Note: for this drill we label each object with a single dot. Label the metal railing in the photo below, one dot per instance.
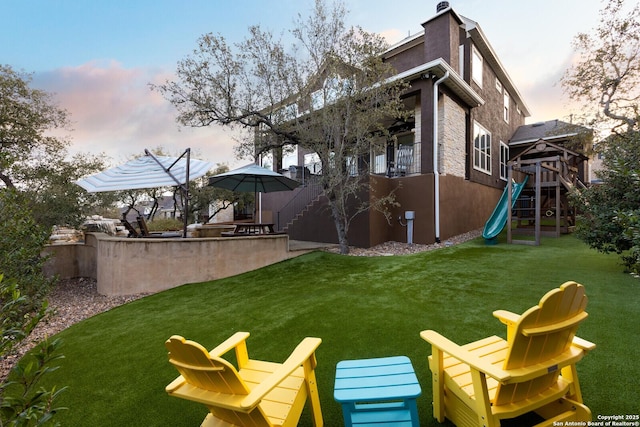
(407, 161)
(310, 192)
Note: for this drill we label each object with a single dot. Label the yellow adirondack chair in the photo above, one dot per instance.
(256, 394)
(481, 383)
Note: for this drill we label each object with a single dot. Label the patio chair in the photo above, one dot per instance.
(258, 393)
(533, 370)
(130, 228)
(142, 224)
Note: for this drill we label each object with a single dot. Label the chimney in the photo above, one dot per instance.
(442, 6)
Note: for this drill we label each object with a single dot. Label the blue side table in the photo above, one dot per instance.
(375, 392)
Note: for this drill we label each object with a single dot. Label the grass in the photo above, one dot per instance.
(116, 365)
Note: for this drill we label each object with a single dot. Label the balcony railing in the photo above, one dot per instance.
(407, 162)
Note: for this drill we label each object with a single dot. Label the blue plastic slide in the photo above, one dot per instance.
(498, 218)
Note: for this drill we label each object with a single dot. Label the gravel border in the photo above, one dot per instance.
(399, 248)
(73, 300)
(70, 301)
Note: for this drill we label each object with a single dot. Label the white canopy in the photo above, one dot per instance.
(146, 172)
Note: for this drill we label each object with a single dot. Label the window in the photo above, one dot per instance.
(379, 163)
(498, 85)
(332, 89)
(317, 100)
(476, 66)
(352, 165)
(289, 156)
(506, 107)
(481, 149)
(290, 111)
(504, 160)
(312, 162)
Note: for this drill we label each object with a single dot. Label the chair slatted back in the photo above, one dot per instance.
(215, 374)
(142, 225)
(542, 333)
(203, 371)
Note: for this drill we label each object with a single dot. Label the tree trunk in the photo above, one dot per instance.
(341, 228)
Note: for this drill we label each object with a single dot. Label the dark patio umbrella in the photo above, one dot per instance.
(253, 178)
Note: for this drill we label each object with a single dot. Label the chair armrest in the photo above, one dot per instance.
(449, 347)
(510, 320)
(303, 352)
(506, 317)
(229, 344)
(583, 344)
(173, 385)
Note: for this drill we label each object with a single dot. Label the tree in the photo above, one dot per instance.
(606, 77)
(204, 197)
(54, 197)
(35, 162)
(23, 290)
(329, 93)
(610, 219)
(26, 115)
(607, 80)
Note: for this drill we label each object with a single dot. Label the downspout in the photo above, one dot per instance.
(436, 174)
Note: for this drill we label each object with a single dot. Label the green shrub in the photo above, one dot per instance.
(23, 292)
(21, 243)
(165, 224)
(610, 220)
(23, 402)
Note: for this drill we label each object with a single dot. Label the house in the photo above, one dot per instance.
(162, 207)
(448, 163)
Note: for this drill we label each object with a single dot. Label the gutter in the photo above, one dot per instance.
(440, 67)
(436, 174)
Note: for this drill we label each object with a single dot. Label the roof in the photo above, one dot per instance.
(482, 44)
(439, 68)
(550, 130)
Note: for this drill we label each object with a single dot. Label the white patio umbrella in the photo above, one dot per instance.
(253, 178)
(146, 172)
(149, 171)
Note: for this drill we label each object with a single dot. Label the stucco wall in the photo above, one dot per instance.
(125, 266)
(464, 205)
(72, 259)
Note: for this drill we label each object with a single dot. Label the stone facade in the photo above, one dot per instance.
(451, 138)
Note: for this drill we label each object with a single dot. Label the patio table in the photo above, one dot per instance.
(378, 391)
(250, 228)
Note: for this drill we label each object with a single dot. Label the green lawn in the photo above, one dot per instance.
(116, 365)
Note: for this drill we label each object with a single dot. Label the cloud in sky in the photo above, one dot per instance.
(113, 110)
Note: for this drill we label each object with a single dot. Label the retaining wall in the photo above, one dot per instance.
(126, 266)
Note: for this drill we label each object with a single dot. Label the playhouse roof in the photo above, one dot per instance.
(551, 130)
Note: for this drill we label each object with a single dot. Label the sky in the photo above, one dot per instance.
(98, 57)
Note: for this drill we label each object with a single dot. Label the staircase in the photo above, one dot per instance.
(311, 192)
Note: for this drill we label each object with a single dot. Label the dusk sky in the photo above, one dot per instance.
(98, 57)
